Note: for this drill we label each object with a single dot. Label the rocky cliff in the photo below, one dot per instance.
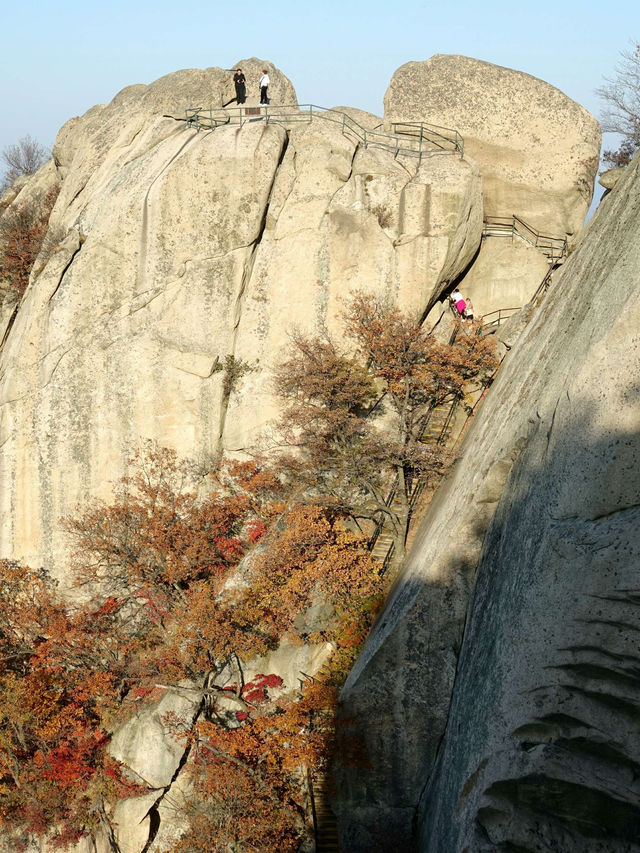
(498, 697)
(180, 248)
(537, 150)
(183, 248)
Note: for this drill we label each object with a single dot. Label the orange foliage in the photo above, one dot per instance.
(22, 232)
(53, 763)
(161, 614)
(355, 415)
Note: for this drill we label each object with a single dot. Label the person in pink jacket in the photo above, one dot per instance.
(457, 300)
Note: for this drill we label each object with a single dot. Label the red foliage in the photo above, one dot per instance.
(156, 562)
(22, 232)
(256, 529)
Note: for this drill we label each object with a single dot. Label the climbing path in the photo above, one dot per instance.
(436, 432)
(554, 247)
(412, 138)
(325, 821)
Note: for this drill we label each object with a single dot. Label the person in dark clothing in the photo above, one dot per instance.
(240, 83)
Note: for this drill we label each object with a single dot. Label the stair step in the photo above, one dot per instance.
(437, 431)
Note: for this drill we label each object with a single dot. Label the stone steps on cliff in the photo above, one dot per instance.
(325, 818)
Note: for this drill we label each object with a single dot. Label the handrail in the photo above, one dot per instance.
(416, 490)
(421, 138)
(544, 284)
(441, 140)
(554, 247)
(502, 314)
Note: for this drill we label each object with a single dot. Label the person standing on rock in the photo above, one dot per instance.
(240, 82)
(264, 85)
(457, 300)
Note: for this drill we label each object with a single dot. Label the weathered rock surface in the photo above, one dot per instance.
(180, 249)
(183, 248)
(505, 275)
(610, 178)
(536, 149)
(342, 218)
(533, 542)
(31, 189)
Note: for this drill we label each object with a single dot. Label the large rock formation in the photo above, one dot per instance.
(537, 150)
(520, 731)
(183, 248)
(505, 275)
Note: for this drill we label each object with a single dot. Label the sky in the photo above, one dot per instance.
(60, 58)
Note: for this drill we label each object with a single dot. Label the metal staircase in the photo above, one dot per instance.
(412, 138)
(437, 430)
(555, 248)
(324, 818)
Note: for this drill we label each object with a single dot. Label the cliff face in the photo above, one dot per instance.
(499, 693)
(537, 150)
(183, 248)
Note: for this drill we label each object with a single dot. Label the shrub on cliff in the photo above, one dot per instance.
(22, 158)
(621, 115)
(355, 414)
(159, 615)
(23, 232)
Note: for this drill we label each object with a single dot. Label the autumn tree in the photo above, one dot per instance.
(355, 414)
(55, 773)
(23, 233)
(249, 781)
(157, 613)
(621, 114)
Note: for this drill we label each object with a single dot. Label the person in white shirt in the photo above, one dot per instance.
(264, 85)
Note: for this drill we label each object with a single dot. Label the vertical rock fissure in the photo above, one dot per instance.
(10, 323)
(142, 260)
(153, 812)
(66, 270)
(246, 277)
(424, 791)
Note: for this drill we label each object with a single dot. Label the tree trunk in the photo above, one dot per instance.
(400, 521)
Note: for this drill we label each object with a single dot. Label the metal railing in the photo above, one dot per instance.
(418, 485)
(555, 248)
(545, 284)
(444, 138)
(408, 138)
(497, 317)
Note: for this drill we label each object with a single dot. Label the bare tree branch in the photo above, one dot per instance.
(621, 113)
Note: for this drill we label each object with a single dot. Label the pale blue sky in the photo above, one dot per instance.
(59, 58)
